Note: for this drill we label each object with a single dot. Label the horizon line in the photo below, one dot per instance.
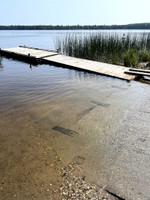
(73, 24)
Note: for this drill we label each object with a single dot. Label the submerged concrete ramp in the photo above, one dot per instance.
(30, 54)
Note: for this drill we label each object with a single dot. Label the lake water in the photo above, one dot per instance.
(39, 98)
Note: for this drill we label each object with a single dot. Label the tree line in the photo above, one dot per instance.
(74, 27)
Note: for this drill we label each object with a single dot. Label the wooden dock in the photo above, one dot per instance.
(32, 55)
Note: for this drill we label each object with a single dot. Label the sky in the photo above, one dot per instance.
(74, 12)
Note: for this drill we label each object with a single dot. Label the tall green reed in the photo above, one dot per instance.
(109, 48)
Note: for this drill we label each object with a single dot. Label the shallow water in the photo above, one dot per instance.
(50, 96)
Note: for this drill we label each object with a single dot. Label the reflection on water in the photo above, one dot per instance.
(1, 66)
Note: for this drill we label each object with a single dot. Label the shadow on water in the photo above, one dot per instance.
(1, 64)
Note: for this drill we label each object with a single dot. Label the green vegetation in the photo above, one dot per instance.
(75, 27)
(144, 56)
(110, 48)
(131, 58)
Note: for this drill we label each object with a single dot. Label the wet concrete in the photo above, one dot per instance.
(116, 153)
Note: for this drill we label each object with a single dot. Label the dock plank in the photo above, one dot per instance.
(140, 70)
(92, 66)
(137, 73)
(52, 57)
(33, 52)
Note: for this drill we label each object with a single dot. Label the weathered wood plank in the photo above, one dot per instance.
(29, 51)
(137, 73)
(140, 70)
(55, 58)
(37, 48)
(92, 66)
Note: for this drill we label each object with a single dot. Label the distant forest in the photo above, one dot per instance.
(74, 27)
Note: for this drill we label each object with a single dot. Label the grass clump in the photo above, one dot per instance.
(144, 56)
(131, 59)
